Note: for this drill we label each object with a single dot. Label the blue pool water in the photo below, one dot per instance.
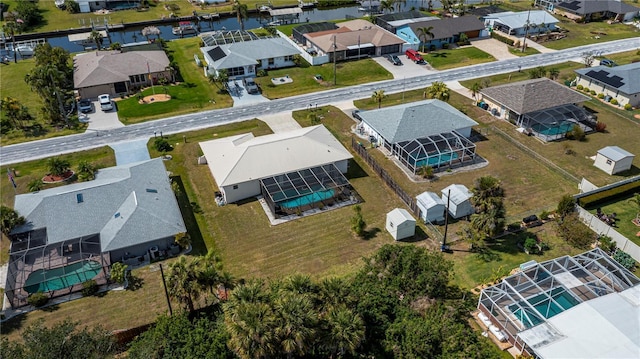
(307, 199)
(559, 129)
(546, 308)
(437, 160)
(44, 280)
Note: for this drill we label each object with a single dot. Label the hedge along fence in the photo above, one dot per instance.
(506, 40)
(619, 189)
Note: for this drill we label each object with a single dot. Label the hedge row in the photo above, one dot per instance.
(599, 197)
(501, 38)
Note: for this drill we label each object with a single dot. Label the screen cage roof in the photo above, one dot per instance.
(435, 145)
(302, 182)
(551, 116)
(228, 37)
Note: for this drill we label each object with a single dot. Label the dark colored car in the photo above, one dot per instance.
(607, 62)
(85, 106)
(394, 60)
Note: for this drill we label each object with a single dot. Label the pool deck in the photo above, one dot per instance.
(275, 221)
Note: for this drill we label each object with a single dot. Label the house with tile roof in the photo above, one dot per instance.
(246, 58)
(114, 72)
(619, 82)
(73, 233)
(593, 10)
(418, 134)
(354, 38)
(540, 107)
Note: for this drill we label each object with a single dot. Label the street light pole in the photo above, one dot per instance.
(335, 81)
(526, 32)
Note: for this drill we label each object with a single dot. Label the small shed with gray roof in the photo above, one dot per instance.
(613, 159)
(620, 82)
(458, 199)
(431, 207)
(541, 107)
(420, 134)
(127, 213)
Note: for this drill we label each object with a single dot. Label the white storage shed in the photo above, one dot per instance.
(431, 207)
(400, 224)
(459, 200)
(613, 159)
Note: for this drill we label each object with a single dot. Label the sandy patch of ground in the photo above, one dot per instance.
(155, 98)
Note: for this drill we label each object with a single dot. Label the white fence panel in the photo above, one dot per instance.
(604, 229)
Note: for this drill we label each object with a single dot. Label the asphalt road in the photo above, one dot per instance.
(73, 143)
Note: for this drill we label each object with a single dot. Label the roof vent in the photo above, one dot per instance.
(79, 198)
(117, 215)
(152, 190)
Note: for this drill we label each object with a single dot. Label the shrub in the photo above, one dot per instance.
(262, 73)
(601, 126)
(38, 299)
(531, 245)
(544, 215)
(628, 107)
(566, 205)
(617, 192)
(576, 133)
(592, 92)
(89, 288)
(579, 87)
(445, 45)
(162, 145)
(624, 259)
(607, 244)
(118, 272)
(586, 89)
(575, 232)
(614, 102)
(601, 95)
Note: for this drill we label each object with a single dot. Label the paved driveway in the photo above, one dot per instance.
(241, 97)
(130, 151)
(408, 68)
(99, 120)
(495, 48)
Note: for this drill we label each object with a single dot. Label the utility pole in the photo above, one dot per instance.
(335, 54)
(526, 32)
(443, 248)
(166, 293)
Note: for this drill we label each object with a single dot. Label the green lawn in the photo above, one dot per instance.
(518, 51)
(625, 212)
(463, 56)
(193, 94)
(349, 73)
(581, 34)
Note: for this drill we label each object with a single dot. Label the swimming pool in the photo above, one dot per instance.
(45, 280)
(307, 199)
(545, 307)
(552, 130)
(436, 160)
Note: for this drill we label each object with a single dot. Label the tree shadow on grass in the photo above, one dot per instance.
(135, 283)
(197, 242)
(370, 234)
(13, 324)
(439, 54)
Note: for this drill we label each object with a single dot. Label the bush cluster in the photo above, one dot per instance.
(38, 299)
(501, 38)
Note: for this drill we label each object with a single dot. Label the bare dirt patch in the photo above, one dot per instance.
(154, 98)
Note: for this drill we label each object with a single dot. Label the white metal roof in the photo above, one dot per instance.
(429, 200)
(615, 153)
(400, 215)
(459, 193)
(604, 327)
(242, 158)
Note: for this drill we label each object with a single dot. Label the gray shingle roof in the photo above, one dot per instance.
(517, 20)
(248, 52)
(625, 78)
(448, 27)
(584, 7)
(415, 120)
(533, 95)
(106, 67)
(128, 205)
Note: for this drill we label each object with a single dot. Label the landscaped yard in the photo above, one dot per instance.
(463, 56)
(193, 94)
(349, 73)
(582, 34)
(625, 212)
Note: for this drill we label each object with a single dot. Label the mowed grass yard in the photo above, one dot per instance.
(349, 73)
(458, 57)
(625, 212)
(194, 93)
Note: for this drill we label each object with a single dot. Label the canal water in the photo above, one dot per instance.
(133, 34)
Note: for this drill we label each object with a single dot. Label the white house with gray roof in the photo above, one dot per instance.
(243, 59)
(127, 213)
(425, 133)
(114, 72)
(515, 23)
(619, 82)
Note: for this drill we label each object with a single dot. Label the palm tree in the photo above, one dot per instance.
(485, 190)
(220, 79)
(554, 73)
(96, 37)
(150, 30)
(345, 331)
(35, 185)
(86, 171)
(386, 5)
(251, 329)
(378, 95)
(400, 2)
(475, 88)
(241, 12)
(295, 323)
(182, 282)
(9, 219)
(58, 166)
(439, 91)
(425, 34)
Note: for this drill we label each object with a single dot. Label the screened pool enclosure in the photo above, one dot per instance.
(554, 123)
(443, 150)
(55, 269)
(298, 191)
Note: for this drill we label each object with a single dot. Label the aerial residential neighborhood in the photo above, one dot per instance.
(343, 179)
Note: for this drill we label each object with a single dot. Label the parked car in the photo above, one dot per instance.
(414, 56)
(85, 105)
(394, 60)
(105, 102)
(250, 85)
(607, 62)
(356, 114)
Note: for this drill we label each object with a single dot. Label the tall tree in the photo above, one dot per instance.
(295, 323)
(386, 5)
(220, 79)
(241, 12)
(345, 331)
(182, 282)
(96, 37)
(475, 88)
(488, 199)
(150, 30)
(378, 96)
(439, 91)
(17, 113)
(9, 219)
(425, 34)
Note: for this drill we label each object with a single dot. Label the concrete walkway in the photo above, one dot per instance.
(457, 87)
(280, 122)
(537, 46)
